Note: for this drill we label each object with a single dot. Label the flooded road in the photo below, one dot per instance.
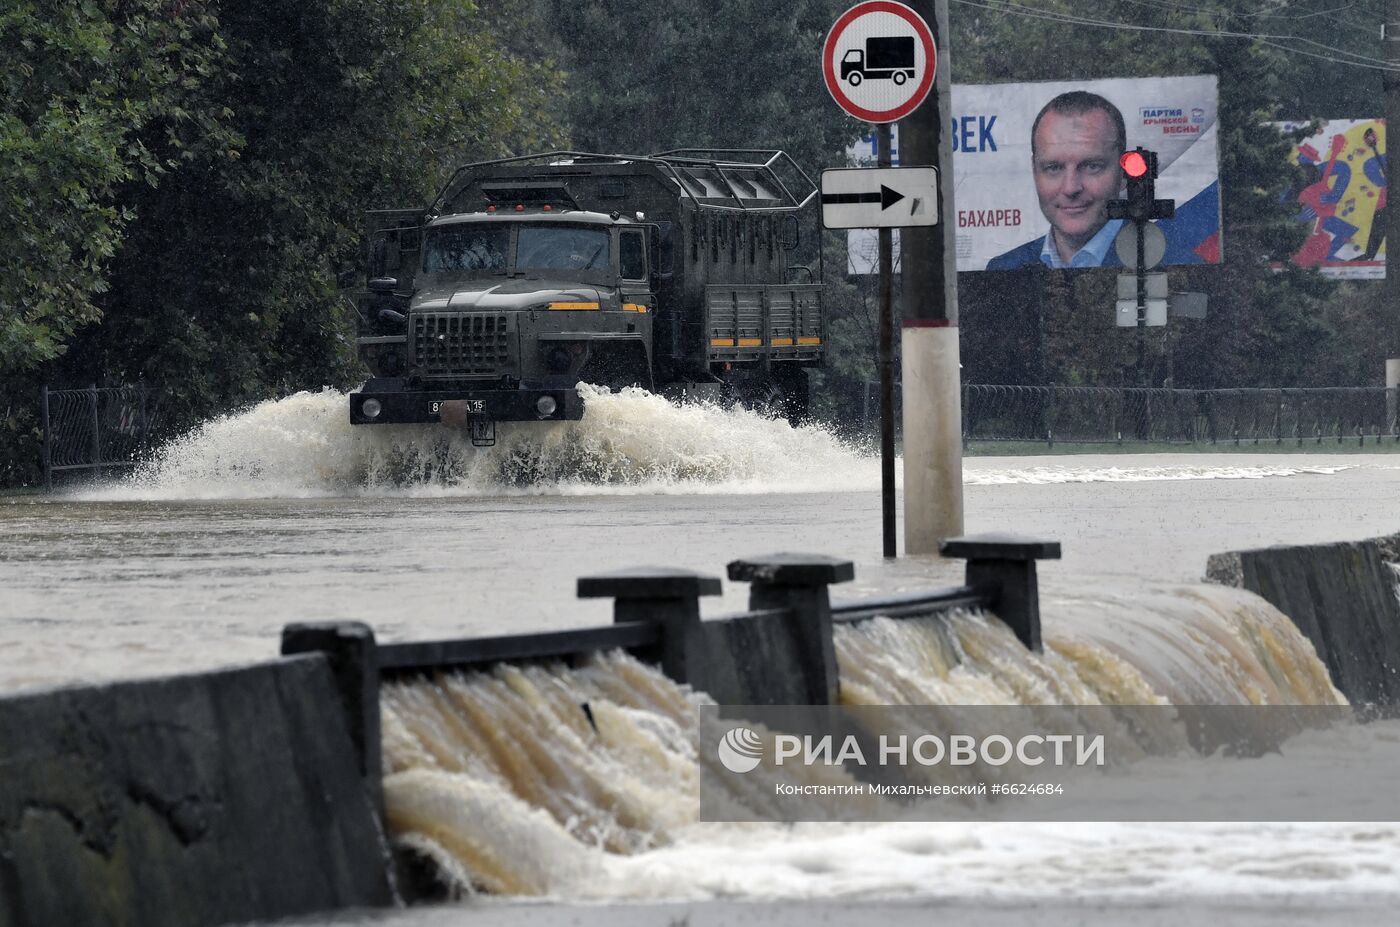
(282, 514)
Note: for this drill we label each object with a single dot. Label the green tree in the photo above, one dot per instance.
(217, 222)
(648, 76)
(85, 84)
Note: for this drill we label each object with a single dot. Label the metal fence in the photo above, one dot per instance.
(1102, 415)
(94, 429)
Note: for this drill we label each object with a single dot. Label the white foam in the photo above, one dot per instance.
(1143, 474)
(628, 442)
(305, 446)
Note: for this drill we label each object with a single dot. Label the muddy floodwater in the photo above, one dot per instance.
(115, 582)
(284, 513)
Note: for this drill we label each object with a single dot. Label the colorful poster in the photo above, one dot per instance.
(1034, 166)
(1343, 199)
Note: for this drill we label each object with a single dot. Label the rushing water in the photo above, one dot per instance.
(285, 513)
(500, 779)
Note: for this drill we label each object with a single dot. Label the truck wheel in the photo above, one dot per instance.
(899, 78)
(797, 394)
(854, 78)
(783, 394)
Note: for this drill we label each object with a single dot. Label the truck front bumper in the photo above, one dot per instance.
(462, 407)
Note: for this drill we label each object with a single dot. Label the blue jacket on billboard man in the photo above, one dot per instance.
(1076, 141)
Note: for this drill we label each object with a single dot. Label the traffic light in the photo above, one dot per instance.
(1140, 171)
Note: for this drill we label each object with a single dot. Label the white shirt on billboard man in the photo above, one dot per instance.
(1076, 142)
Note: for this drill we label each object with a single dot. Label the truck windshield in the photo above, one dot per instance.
(562, 247)
(470, 248)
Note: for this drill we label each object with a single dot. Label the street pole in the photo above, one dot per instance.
(1141, 301)
(887, 517)
(1390, 293)
(932, 381)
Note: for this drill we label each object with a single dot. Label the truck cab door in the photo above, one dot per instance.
(634, 273)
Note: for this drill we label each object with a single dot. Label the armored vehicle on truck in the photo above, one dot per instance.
(527, 276)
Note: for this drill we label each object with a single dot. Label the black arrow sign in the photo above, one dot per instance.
(886, 198)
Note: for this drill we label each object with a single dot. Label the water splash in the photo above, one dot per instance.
(305, 446)
(628, 442)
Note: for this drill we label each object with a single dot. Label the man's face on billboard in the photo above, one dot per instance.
(1076, 174)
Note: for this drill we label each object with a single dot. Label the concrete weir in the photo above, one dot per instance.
(253, 793)
(1344, 597)
(201, 799)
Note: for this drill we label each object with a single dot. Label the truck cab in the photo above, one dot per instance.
(514, 307)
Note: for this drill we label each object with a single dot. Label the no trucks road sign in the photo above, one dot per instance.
(879, 61)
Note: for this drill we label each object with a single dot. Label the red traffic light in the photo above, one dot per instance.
(1133, 163)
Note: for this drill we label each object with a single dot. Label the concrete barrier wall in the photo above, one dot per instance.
(251, 794)
(1342, 597)
(760, 659)
(191, 800)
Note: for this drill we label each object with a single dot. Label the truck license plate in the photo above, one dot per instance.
(456, 411)
(437, 406)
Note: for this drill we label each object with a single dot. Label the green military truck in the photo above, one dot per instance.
(530, 275)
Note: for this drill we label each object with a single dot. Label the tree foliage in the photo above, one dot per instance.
(89, 87)
(220, 156)
(645, 77)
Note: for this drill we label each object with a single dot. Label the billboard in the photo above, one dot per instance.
(1011, 210)
(1342, 201)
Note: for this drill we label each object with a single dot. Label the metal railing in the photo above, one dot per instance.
(1102, 415)
(96, 428)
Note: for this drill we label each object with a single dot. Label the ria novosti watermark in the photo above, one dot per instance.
(740, 750)
(1286, 763)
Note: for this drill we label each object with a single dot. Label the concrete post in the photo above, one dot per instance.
(669, 597)
(798, 583)
(349, 648)
(1002, 568)
(931, 369)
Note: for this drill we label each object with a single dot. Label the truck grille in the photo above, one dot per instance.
(462, 344)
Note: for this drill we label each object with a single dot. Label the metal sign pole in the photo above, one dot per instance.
(1141, 301)
(883, 159)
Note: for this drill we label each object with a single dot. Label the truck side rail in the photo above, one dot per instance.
(671, 164)
(773, 158)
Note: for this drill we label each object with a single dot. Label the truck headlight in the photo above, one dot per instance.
(546, 405)
(371, 408)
